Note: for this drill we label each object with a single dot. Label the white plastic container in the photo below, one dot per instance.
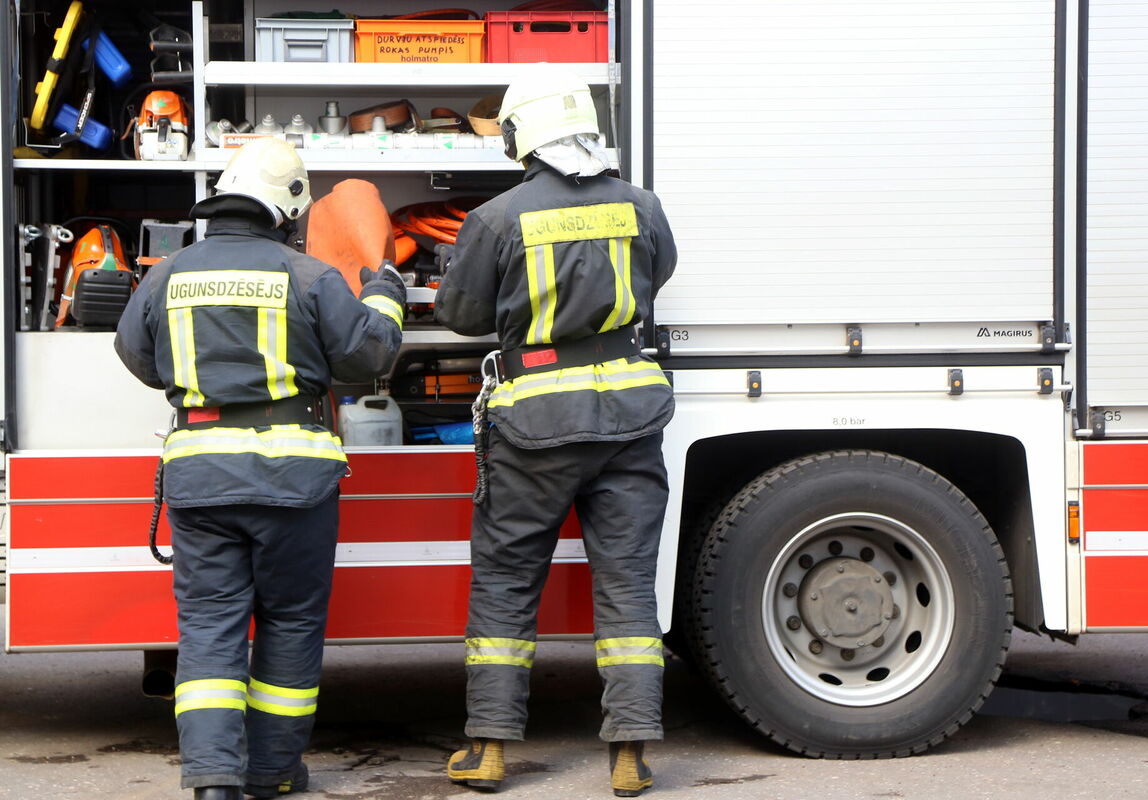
(313, 40)
(372, 420)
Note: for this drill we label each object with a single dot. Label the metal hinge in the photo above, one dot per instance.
(853, 339)
(1096, 423)
(753, 383)
(956, 381)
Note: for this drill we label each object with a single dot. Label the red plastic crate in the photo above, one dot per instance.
(555, 36)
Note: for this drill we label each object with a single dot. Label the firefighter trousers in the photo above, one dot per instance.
(619, 491)
(239, 722)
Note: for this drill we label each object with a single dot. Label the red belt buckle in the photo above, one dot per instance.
(207, 414)
(540, 358)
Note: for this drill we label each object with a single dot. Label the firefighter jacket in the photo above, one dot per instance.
(557, 259)
(242, 318)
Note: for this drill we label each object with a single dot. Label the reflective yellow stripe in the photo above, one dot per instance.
(228, 287)
(540, 274)
(543, 291)
(630, 312)
(210, 693)
(283, 691)
(505, 652)
(629, 650)
(628, 641)
(614, 661)
(578, 223)
(272, 343)
(606, 377)
(624, 304)
(181, 331)
(281, 700)
(276, 442)
(387, 307)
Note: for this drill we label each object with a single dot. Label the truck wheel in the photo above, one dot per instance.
(852, 604)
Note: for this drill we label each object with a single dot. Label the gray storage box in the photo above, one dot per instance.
(315, 40)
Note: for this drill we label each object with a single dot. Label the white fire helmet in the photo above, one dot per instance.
(269, 171)
(548, 104)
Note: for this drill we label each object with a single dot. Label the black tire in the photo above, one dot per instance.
(682, 634)
(925, 648)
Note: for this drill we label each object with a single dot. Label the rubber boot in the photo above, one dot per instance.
(218, 793)
(480, 766)
(296, 784)
(630, 775)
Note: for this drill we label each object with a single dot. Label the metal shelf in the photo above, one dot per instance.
(110, 164)
(366, 75)
(398, 159)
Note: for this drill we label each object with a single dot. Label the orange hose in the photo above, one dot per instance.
(349, 228)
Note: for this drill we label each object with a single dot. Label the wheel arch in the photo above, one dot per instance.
(991, 469)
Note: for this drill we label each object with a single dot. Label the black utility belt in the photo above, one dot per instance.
(620, 343)
(299, 410)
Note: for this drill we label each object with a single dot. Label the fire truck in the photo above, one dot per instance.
(908, 338)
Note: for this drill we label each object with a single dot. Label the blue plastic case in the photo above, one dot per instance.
(110, 61)
(95, 134)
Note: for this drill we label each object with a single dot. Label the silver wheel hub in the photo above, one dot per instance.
(845, 602)
(858, 609)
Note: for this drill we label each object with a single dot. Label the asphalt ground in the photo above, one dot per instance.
(1064, 724)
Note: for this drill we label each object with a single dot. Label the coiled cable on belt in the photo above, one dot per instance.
(155, 553)
(481, 427)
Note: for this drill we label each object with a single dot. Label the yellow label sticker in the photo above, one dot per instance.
(579, 223)
(228, 287)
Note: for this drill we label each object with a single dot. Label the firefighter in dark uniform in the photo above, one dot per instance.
(562, 267)
(245, 334)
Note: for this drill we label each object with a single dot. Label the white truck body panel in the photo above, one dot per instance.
(826, 161)
(74, 393)
(999, 400)
(1118, 210)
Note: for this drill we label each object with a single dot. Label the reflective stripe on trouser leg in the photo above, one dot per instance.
(513, 536)
(621, 511)
(214, 593)
(293, 557)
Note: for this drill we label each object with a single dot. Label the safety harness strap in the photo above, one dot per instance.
(297, 410)
(619, 343)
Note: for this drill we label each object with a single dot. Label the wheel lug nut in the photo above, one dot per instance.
(793, 623)
(840, 567)
(805, 562)
(879, 641)
(866, 553)
(876, 579)
(816, 647)
(813, 595)
(896, 611)
(847, 654)
(835, 548)
(789, 589)
(890, 578)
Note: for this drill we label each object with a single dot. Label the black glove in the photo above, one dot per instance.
(443, 253)
(385, 272)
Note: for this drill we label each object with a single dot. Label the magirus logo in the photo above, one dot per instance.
(1006, 333)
